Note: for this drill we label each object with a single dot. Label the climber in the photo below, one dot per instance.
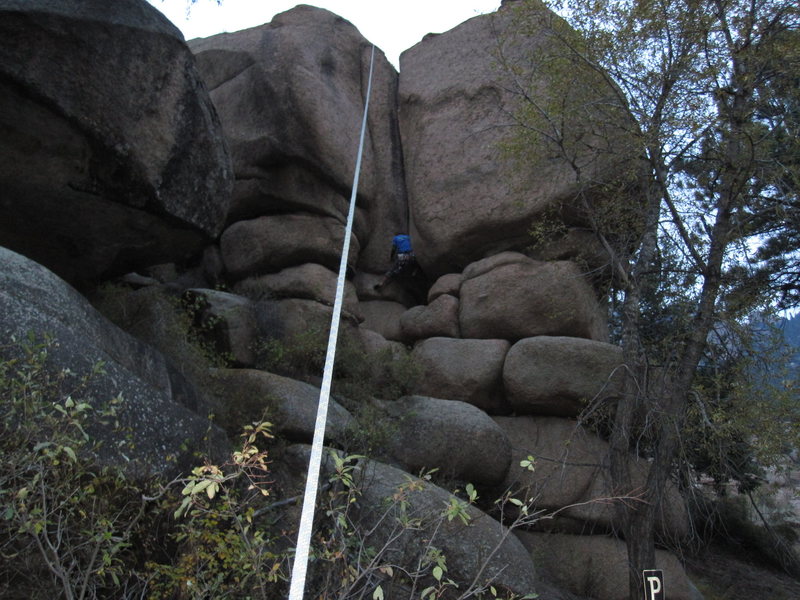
(403, 260)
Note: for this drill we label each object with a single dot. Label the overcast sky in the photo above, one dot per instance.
(392, 25)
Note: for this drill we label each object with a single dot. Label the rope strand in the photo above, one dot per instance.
(297, 586)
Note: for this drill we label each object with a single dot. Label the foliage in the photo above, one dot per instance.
(300, 355)
(357, 375)
(205, 330)
(73, 525)
(406, 560)
(166, 322)
(370, 432)
(358, 378)
(227, 547)
(771, 216)
(745, 417)
(68, 523)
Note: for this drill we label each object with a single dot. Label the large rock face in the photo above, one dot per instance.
(572, 475)
(111, 154)
(163, 433)
(561, 375)
(458, 439)
(111, 158)
(456, 107)
(511, 296)
(466, 370)
(291, 95)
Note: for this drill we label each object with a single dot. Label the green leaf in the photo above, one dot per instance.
(438, 572)
(471, 492)
(428, 591)
(211, 490)
(70, 452)
(200, 486)
(182, 508)
(378, 593)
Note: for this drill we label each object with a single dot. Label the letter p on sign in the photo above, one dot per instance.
(653, 585)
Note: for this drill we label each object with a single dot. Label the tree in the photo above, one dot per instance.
(705, 95)
(776, 217)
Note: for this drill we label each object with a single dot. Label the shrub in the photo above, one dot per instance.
(166, 323)
(67, 523)
(357, 375)
(226, 547)
(358, 379)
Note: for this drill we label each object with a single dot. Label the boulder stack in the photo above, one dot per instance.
(230, 166)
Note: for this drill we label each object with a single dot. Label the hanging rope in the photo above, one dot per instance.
(300, 566)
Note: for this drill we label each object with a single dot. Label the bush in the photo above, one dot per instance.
(166, 323)
(226, 547)
(358, 379)
(67, 523)
(71, 528)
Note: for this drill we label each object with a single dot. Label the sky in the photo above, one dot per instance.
(392, 25)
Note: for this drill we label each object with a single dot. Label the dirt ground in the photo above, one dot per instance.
(725, 573)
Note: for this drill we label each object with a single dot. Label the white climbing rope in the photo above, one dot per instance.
(300, 566)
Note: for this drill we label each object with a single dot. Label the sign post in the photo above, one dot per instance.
(653, 584)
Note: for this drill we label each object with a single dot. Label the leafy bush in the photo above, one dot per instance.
(301, 355)
(358, 379)
(406, 562)
(226, 548)
(74, 528)
(165, 322)
(68, 524)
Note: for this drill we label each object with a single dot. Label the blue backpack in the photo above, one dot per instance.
(402, 243)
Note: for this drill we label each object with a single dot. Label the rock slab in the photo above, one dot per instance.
(458, 100)
(111, 153)
(511, 296)
(466, 370)
(164, 434)
(290, 94)
(560, 376)
(457, 438)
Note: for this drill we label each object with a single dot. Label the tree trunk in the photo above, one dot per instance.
(636, 517)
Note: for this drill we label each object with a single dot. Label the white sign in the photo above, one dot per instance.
(653, 584)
